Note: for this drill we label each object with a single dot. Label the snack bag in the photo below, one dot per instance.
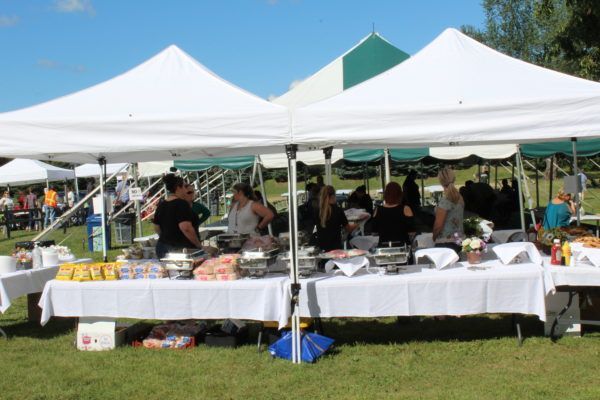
(229, 259)
(204, 269)
(110, 272)
(126, 275)
(137, 268)
(82, 273)
(154, 268)
(124, 269)
(227, 277)
(65, 272)
(224, 269)
(208, 277)
(96, 272)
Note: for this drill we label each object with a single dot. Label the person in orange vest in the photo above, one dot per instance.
(51, 202)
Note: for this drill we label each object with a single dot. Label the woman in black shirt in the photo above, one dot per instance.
(174, 220)
(394, 221)
(331, 221)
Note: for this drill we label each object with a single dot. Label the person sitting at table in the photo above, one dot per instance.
(246, 215)
(174, 221)
(448, 213)
(331, 221)
(394, 221)
(559, 211)
(361, 199)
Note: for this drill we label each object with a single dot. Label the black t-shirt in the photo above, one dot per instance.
(168, 215)
(392, 225)
(330, 237)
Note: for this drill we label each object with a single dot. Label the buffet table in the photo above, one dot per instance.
(265, 299)
(571, 280)
(457, 290)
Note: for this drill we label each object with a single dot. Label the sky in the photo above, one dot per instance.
(49, 48)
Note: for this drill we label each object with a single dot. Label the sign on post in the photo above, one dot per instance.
(135, 193)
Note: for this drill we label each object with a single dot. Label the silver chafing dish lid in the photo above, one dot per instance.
(183, 255)
(304, 252)
(259, 253)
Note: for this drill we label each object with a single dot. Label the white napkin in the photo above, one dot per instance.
(508, 251)
(440, 256)
(593, 255)
(348, 266)
(365, 243)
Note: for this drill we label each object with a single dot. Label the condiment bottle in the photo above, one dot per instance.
(36, 257)
(556, 253)
(566, 253)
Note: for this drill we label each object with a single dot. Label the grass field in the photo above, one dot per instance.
(457, 358)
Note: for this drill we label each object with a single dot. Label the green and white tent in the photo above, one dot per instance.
(368, 58)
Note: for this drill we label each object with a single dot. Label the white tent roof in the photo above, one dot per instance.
(93, 170)
(487, 152)
(24, 172)
(314, 157)
(454, 91)
(170, 106)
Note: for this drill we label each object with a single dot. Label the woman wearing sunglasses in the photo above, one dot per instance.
(174, 220)
(247, 216)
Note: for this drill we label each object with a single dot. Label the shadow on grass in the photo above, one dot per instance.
(33, 330)
(413, 329)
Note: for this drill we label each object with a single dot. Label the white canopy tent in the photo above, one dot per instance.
(169, 107)
(93, 170)
(455, 91)
(313, 157)
(24, 172)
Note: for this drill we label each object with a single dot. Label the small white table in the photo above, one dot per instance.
(20, 283)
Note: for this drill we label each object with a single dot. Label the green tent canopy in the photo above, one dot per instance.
(585, 148)
(232, 163)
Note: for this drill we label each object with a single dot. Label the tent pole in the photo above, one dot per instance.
(422, 184)
(512, 173)
(224, 199)
(388, 173)
(551, 176)
(578, 180)
(479, 171)
(496, 176)
(76, 186)
(537, 187)
(138, 207)
(102, 163)
(367, 177)
(527, 193)
(47, 184)
(253, 176)
(262, 189)
(520, 189)
(382, 175)
(327, 151)
(291, 150)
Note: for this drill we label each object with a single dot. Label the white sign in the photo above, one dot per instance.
(135, 193)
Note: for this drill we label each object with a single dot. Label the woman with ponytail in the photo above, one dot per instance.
(331, 221)
(448, 213)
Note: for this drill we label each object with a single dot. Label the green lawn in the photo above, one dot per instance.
(458, 358)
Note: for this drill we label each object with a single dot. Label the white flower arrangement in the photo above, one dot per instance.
(473, 244)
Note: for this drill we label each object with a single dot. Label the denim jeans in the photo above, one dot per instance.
(49, 216)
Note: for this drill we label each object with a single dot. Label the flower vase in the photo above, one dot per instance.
(473, 257)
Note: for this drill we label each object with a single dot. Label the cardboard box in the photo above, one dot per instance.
(97, 204)
(98, 334)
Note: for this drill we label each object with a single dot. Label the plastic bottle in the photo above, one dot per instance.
(566, 253)
(556, 253)
(36, 257)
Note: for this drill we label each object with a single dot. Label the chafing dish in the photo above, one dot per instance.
(307, 260)
(392, 258)
(180, 265)
(284, 239)
(256, 262)
(231, 241)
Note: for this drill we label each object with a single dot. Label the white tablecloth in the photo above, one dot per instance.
(582, 275)
(265, 299)
(423, 291)
(20, 283)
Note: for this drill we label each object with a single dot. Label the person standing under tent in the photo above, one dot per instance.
(331, 221)
(51, 202)
(583, 179)
(6, 207)
(199, 209)
(412, 195)
(31, 204)
(70, 197)
(246, 215)
(361, 199)
(174, 221)
(394, 219)
(448, 213)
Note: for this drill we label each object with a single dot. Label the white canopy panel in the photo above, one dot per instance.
(168, 107)
(93, 170)
(151, 169)
(314, 157)
(487, 152)
(454, 91)
(24, 172)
